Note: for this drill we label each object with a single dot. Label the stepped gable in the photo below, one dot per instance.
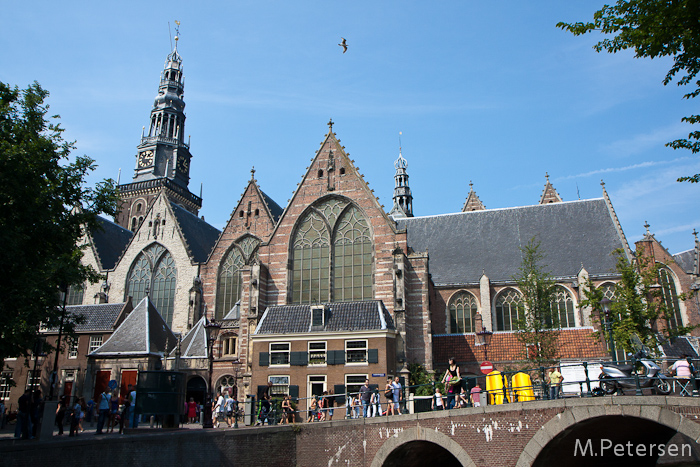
(143, 332)
(473, 203)
(199, 236)
(367, 315)
(108, 242)
(464, 246)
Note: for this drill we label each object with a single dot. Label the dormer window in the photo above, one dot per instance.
(318, 316)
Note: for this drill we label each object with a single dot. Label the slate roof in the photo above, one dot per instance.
(143, 332)
(199, 235)
(464, 245)
(96, 318)
(109, 242)
(368, 315)
(686, 260)
(678, 347)
(274, 208)
(194, 345)
(235, 312)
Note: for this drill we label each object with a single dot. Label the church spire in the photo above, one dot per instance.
(163, 152)
(403, 200)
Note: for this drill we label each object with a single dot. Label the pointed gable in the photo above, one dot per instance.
(549, 194)
(194, 345)
(199, 236)
(143, 332)
(473, 202)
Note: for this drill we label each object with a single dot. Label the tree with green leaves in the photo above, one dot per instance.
(45, 209)
(538, 325)
(637, 306)
(655, 28)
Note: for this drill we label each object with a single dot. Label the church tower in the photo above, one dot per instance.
(163, 157)
(403, 200)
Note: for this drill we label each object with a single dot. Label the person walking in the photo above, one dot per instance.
(61, 413)
(365, 397)
(452, 381)
(438, 403)
(475, 395)
(103, 412)
(113, 410)
(398, 395)
(24, 404)
(313, 407)
(389, 394)
(191, 410)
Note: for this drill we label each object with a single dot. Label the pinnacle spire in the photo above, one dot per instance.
(403, 199)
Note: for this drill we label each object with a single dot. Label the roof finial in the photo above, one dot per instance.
(695, 233)
(400, 133)
(252, 173)
(177, 32)
(330, 125)
(602, 183)
(646, 226)
(471, 186)
(546, 175)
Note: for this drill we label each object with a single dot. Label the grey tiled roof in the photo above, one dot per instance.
(199, 235)
(96, 318)
(194, 345)
(142, 332)
(678, 347)
(462, 246)
(368, 315)
(109, 241)
(686, 260)
(275, 208)
(235, 312)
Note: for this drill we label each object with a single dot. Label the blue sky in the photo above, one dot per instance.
(489, 92)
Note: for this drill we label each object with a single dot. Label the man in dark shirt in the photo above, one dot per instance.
(365, 395)
(23, 408)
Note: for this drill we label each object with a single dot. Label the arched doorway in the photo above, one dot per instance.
(196, 389)
(421, 453)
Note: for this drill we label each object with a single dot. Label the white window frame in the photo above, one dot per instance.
(93, 343)
(34, 379)
(73, 348)
(5, 387)
(278, 384)
(318, 352)
(279, 351)
(357, 349)
(318, 309)
(320, 379)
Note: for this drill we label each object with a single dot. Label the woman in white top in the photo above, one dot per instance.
(438, 403)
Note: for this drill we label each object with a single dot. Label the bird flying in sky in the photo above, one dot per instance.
(344, 45)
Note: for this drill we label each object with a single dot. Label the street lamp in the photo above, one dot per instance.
(236, 364)
(211, 329)
(605, 305)
(483, 337)
(54, 373)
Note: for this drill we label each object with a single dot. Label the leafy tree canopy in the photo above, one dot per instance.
(655, 28)
(44, 209)
(638, 305)
(538, 325)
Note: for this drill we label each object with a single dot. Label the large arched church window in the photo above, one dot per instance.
(230, 280)
(509, 307)
(337, 223)
(670, 298)
(562, 306)
(154, 272)
(608, 290)
(462, 313)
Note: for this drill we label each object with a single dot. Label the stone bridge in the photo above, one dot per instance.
(602, 431)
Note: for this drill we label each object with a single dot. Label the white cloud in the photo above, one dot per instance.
(645, 141)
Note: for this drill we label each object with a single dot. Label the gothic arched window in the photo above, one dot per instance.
(337, 223)
(563, 306)
(509, 306)
(670, 297)
(154, 272)
(75, 295)
(462, 313)
(230, 280)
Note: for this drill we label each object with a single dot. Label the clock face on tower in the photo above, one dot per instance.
(183, 164)
(145, 158)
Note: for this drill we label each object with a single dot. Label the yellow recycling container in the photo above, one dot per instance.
(494, 386)
(522, 388)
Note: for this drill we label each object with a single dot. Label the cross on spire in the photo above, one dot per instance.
(252, 173)
(695, 233)
(646, 226)
(330, 124)
(546, 175)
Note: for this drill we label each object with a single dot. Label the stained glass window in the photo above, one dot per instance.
(154, 270)
(563, 306)
(228, 289)
(462, 313)
(670, 298)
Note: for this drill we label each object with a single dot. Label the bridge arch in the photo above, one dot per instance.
(642, 424)
(419, 439)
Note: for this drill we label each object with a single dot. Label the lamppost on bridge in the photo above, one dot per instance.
(605, 305)
(211, 329)
(236, 364)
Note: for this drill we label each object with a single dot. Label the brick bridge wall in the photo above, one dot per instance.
(507, 435)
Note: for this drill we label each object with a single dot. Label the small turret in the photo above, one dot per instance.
(403, 200)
